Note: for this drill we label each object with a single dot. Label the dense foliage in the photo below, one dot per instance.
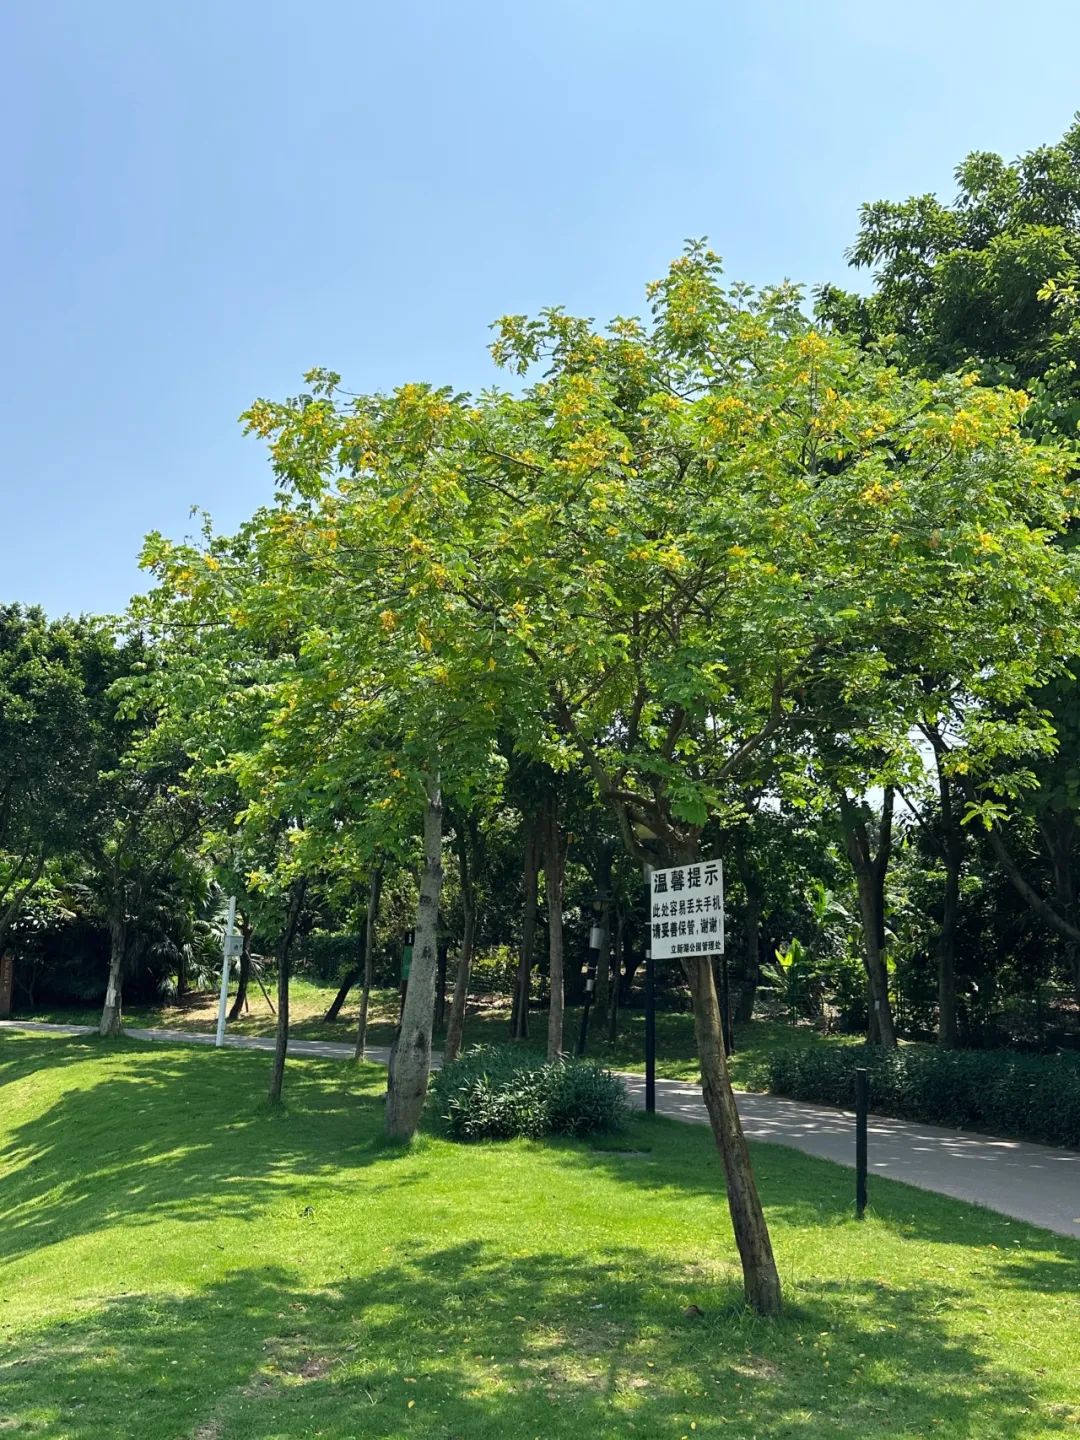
(1033, 1097)
(497, 1092)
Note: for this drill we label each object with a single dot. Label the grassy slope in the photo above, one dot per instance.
(310, 1000)
(176, 1261)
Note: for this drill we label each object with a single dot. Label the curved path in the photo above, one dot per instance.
(1028, 1182)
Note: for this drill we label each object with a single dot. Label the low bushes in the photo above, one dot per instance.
(1032, 1097)
(494, 1092)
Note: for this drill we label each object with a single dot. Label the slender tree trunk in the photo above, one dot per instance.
(240, 1002)
(112, 1014)
(455, 1026)
(744, 1011)
(440, 984)
(297, 891)
(761, 1282)
(519, 1019)
(412, 1052)
(554, 863)
(351, 977)
(950, 907)
(870, 871)
(374, 897)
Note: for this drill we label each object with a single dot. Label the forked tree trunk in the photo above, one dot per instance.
(761, 1282)
(370, 922)
(240, 1002)
(411, 1065)
(554, 863)
(455, 1026)
(297, 890)
(519, 1018)
(870, 870)
(112, 1013)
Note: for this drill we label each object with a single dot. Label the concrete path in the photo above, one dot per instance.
(1028, 1182)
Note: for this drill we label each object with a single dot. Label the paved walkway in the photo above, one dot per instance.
(1027, 1182)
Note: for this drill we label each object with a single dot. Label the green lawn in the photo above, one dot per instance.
(309, 1001)
(178, 1261)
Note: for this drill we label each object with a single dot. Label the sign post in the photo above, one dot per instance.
(650, 1010)
(231, 946)
(862, 1106)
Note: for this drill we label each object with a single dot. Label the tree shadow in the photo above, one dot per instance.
(131, 1143)
(658, 1156)
(466, 1341)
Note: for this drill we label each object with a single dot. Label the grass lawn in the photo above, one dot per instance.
(178, 1261)
(309, 1000)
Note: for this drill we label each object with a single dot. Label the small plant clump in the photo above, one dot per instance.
(496, 1092)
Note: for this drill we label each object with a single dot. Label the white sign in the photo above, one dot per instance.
(234, 946)
(686, 910)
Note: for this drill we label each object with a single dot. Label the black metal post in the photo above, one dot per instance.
(650, 1033)
(596, 935)
(862, 1106)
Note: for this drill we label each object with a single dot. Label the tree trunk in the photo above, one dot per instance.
(554, 862)
(111, 1015)
(440, 984)
(297, 890)
(455, 1026)
(870, 871)
(519, 1019)
(351, 977)
(242, 983)
(761, 1282)
(946, 1036)
(744, 1011)
(412, 1051)
(370, 922)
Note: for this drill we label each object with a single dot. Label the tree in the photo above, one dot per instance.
(989, 283)
(643, 566)
(54, 718)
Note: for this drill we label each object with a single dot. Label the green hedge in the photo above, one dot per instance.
(494, 1092)
(1031, 1097)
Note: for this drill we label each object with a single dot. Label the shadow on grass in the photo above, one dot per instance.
(465, 1341)
(662, 1157)
(167, 1132)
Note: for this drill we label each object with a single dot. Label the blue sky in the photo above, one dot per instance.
(204, 200)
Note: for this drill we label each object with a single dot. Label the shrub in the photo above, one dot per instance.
(494, 1092)
(1031, 1097)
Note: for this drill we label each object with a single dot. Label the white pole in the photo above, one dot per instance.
(229, 927)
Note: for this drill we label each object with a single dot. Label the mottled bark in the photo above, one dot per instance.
(112, 1013)
(411, 1060)
(297, 891)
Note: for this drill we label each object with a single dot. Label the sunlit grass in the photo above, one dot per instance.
(488, 1022)
(178, 1261)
